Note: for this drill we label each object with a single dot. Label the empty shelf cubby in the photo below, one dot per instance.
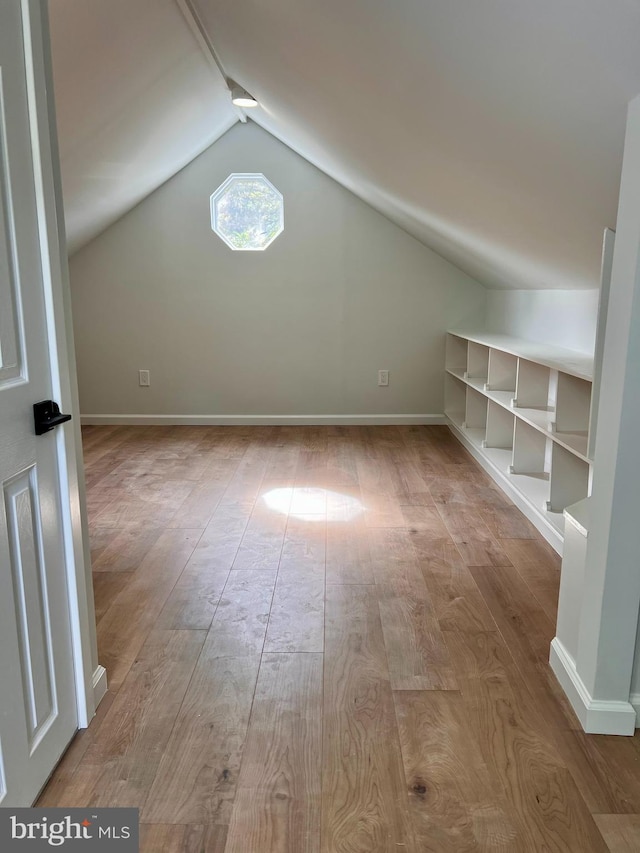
(530, 455)
(455, 400)
(569, 479)
(573, 405)
(503, 368)
(500, 425)
(532, 386)
(456, 353)
(476, 411)
(477, 362)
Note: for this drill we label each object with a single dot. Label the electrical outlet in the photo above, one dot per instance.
(144, 378)
(383, 377)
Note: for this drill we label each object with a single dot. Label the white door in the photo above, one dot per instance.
(38, 712)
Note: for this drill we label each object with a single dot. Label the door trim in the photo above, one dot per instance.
(90, 678)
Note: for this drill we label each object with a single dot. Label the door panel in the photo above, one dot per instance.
(30, 602)
(11, 344)
(38, 713)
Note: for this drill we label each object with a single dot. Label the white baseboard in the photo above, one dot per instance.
(261, 420)
(535, 515)
(597, 716)
(634, 699)
(99, 684)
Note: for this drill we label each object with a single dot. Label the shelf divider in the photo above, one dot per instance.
(522, 409)
(569, 479)
(529, 451)
(476, 410)
(503, 369)
(477, 362)
(455, 399)
(532, 387)
(500, 426)
(456, 352)
(573, 405)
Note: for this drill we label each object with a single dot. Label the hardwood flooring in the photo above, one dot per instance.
(330, 640)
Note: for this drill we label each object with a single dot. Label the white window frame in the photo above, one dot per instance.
(234, 176)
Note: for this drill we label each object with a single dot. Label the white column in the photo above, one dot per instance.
(608, 619)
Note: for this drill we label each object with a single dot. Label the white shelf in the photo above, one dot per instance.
(522, 409)
(530, 493)
(500, 427)
(476, 411)
(530, 451)
(542, 420)
(569, 479)
(556, 358)
(499, 457)
(455, 400)
(478, 362)
(578, 515)
(503, 371)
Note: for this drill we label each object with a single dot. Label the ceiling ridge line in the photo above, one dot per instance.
(194, 22)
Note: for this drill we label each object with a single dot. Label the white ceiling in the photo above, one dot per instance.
(136, 100)
(492, 130)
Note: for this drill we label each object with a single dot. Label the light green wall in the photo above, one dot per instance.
(301, 328)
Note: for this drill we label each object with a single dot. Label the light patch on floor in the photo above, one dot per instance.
(314, 503)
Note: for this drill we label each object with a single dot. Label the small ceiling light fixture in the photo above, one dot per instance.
(241, 98)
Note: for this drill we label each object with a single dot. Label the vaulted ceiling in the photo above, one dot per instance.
(136, 100)
(491, 130)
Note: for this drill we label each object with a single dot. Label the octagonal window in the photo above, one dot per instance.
(247, 212)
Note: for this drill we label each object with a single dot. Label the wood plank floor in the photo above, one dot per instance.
(330, 640)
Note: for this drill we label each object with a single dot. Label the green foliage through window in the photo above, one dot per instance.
(247, 212)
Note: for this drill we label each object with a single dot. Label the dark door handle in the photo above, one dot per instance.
(47, 415)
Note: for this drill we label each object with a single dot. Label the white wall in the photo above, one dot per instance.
(635, 678)
(560, 317)
(301, 328)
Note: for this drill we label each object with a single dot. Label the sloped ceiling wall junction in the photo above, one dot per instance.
(136, 100)
(490, 130)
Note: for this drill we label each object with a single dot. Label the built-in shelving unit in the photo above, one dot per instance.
(523, 409)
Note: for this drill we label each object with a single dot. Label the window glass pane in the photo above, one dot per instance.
(247, 212)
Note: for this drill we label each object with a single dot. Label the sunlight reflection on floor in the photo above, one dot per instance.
(322, 504)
